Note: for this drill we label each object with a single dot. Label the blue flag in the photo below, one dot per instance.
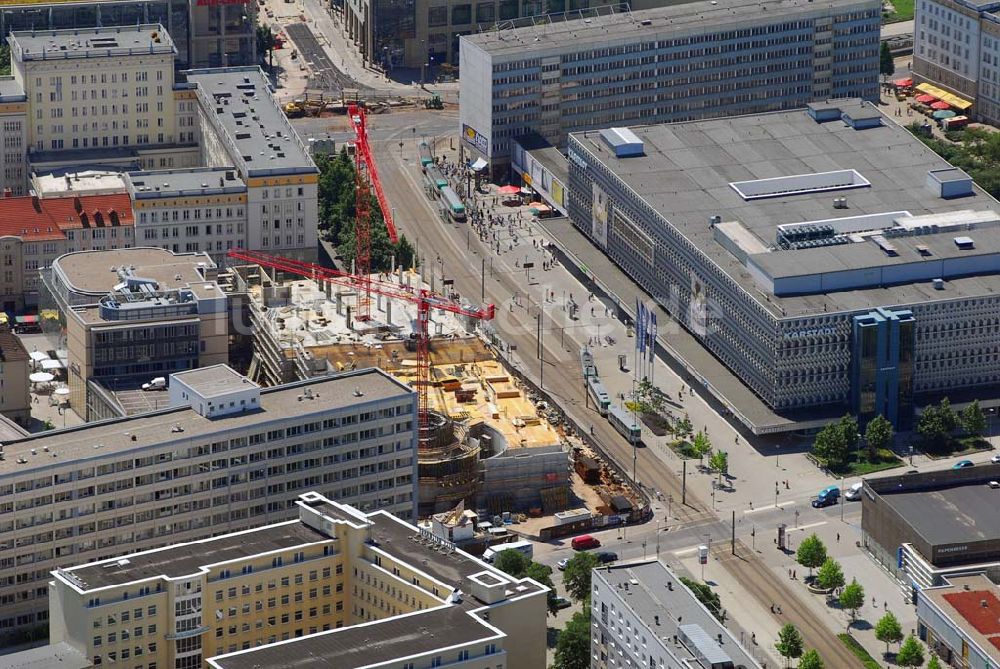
(652, 334)
(641, 332)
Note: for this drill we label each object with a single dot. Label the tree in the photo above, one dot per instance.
(703, 593)
(701, 445)
(885, 64)
(576, 577)
(811, 660)
(888, 630)
(519, 565)
(265, 40)
(834, 442)
(811, 553)
(573, 644)
(789, 642)
(4, 59)
(878, 436)
(684, 426)
(935, 425)
(853, 598)
(935, 663)
(911, 653)
(514, 563)
(719, 462)
(973, 420)
(830, 576)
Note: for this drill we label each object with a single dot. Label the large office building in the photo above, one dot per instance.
(207, 33)
(134, 314)
(241, 126)
(333, 587)
(679, 63)
(234, 458)
(956, 49)
(825, 256)
(643, 616)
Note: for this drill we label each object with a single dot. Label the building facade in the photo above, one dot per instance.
(643, 616)
(13, 137)
(207, 33)
(100, 491)
(287, 589)
(952, 621)
(671, 64)
(15, 366)
(956, 46)
(830, 291)
(35, 231)
(241, 126)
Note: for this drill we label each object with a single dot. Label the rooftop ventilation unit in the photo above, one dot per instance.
(965, 243)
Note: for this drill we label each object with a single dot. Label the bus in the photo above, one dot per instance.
(456, 210)
(626, 424)
(597, 393)
(425, 155)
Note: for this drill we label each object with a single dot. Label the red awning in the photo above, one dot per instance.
(925, 99)
(509, 190)
(903, 83)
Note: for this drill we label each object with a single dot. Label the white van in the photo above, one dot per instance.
(525, 547)
(159, 383)
(854, 492)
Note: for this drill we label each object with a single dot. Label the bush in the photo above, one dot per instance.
(859, 651)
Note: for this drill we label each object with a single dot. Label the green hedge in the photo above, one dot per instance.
(859, 650)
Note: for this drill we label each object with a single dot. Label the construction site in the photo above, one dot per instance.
(486, 443)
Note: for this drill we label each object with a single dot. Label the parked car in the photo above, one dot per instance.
(962, 464)
(605, 557)
(562, 564)
(853, 493)
(995, 459)
(826, 497)
(562, 602)
(159, 383)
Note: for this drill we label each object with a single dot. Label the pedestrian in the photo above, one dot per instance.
(838, 537)
(753, 638)
(795, 575)
(873, 603)
(772, 607)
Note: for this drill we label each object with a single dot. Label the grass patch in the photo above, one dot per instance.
(858, 465)
(961, 446)
(683, 448)
(904, 11)
(859, 651)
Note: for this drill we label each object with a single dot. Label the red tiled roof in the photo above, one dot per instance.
(46, 219)
(969, 604)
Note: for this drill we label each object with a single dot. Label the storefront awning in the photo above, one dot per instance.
(944, 96)
(478, 165)
(26, 320)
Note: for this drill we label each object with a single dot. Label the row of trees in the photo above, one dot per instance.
(938, 424)
(337, 213)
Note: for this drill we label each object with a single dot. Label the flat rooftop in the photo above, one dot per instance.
(367, 644)
(214, 381)
(90, 271)
(688, 168)
(184, 183)
(702, 16)
(549, 156)
(648, 597)
(949, 514)
(962, 600)
(65, 183)
(100, 440)
(150, 38)
(239, 99)
(187, 559)
(51, 656)
(10, 90)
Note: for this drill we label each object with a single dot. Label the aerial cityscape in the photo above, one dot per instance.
(508, 334)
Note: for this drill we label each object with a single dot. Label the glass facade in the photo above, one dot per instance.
(882, 367)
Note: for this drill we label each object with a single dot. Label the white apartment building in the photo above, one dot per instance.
(13, 137)
(643, 616)
(336, 587)
(956, 47)
(101, 490)
(241, 125)
(96, 88)
(200, 209)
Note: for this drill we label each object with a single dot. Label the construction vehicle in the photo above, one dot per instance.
(434, 102)
(294, 109)
(424, 299)
(313, 107)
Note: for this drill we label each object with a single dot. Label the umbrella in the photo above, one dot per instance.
(48, 365)
(903, 83)
(62, 391)
(940, 105)
(925, 98)
(509, 190)
(943, 113)
(39, 356)
(41, 377)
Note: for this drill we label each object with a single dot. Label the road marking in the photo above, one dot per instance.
(769, 507)
(686, 551)
(806, 527)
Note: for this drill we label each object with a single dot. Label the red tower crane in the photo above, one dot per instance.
(365, 180)
(424, 299)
